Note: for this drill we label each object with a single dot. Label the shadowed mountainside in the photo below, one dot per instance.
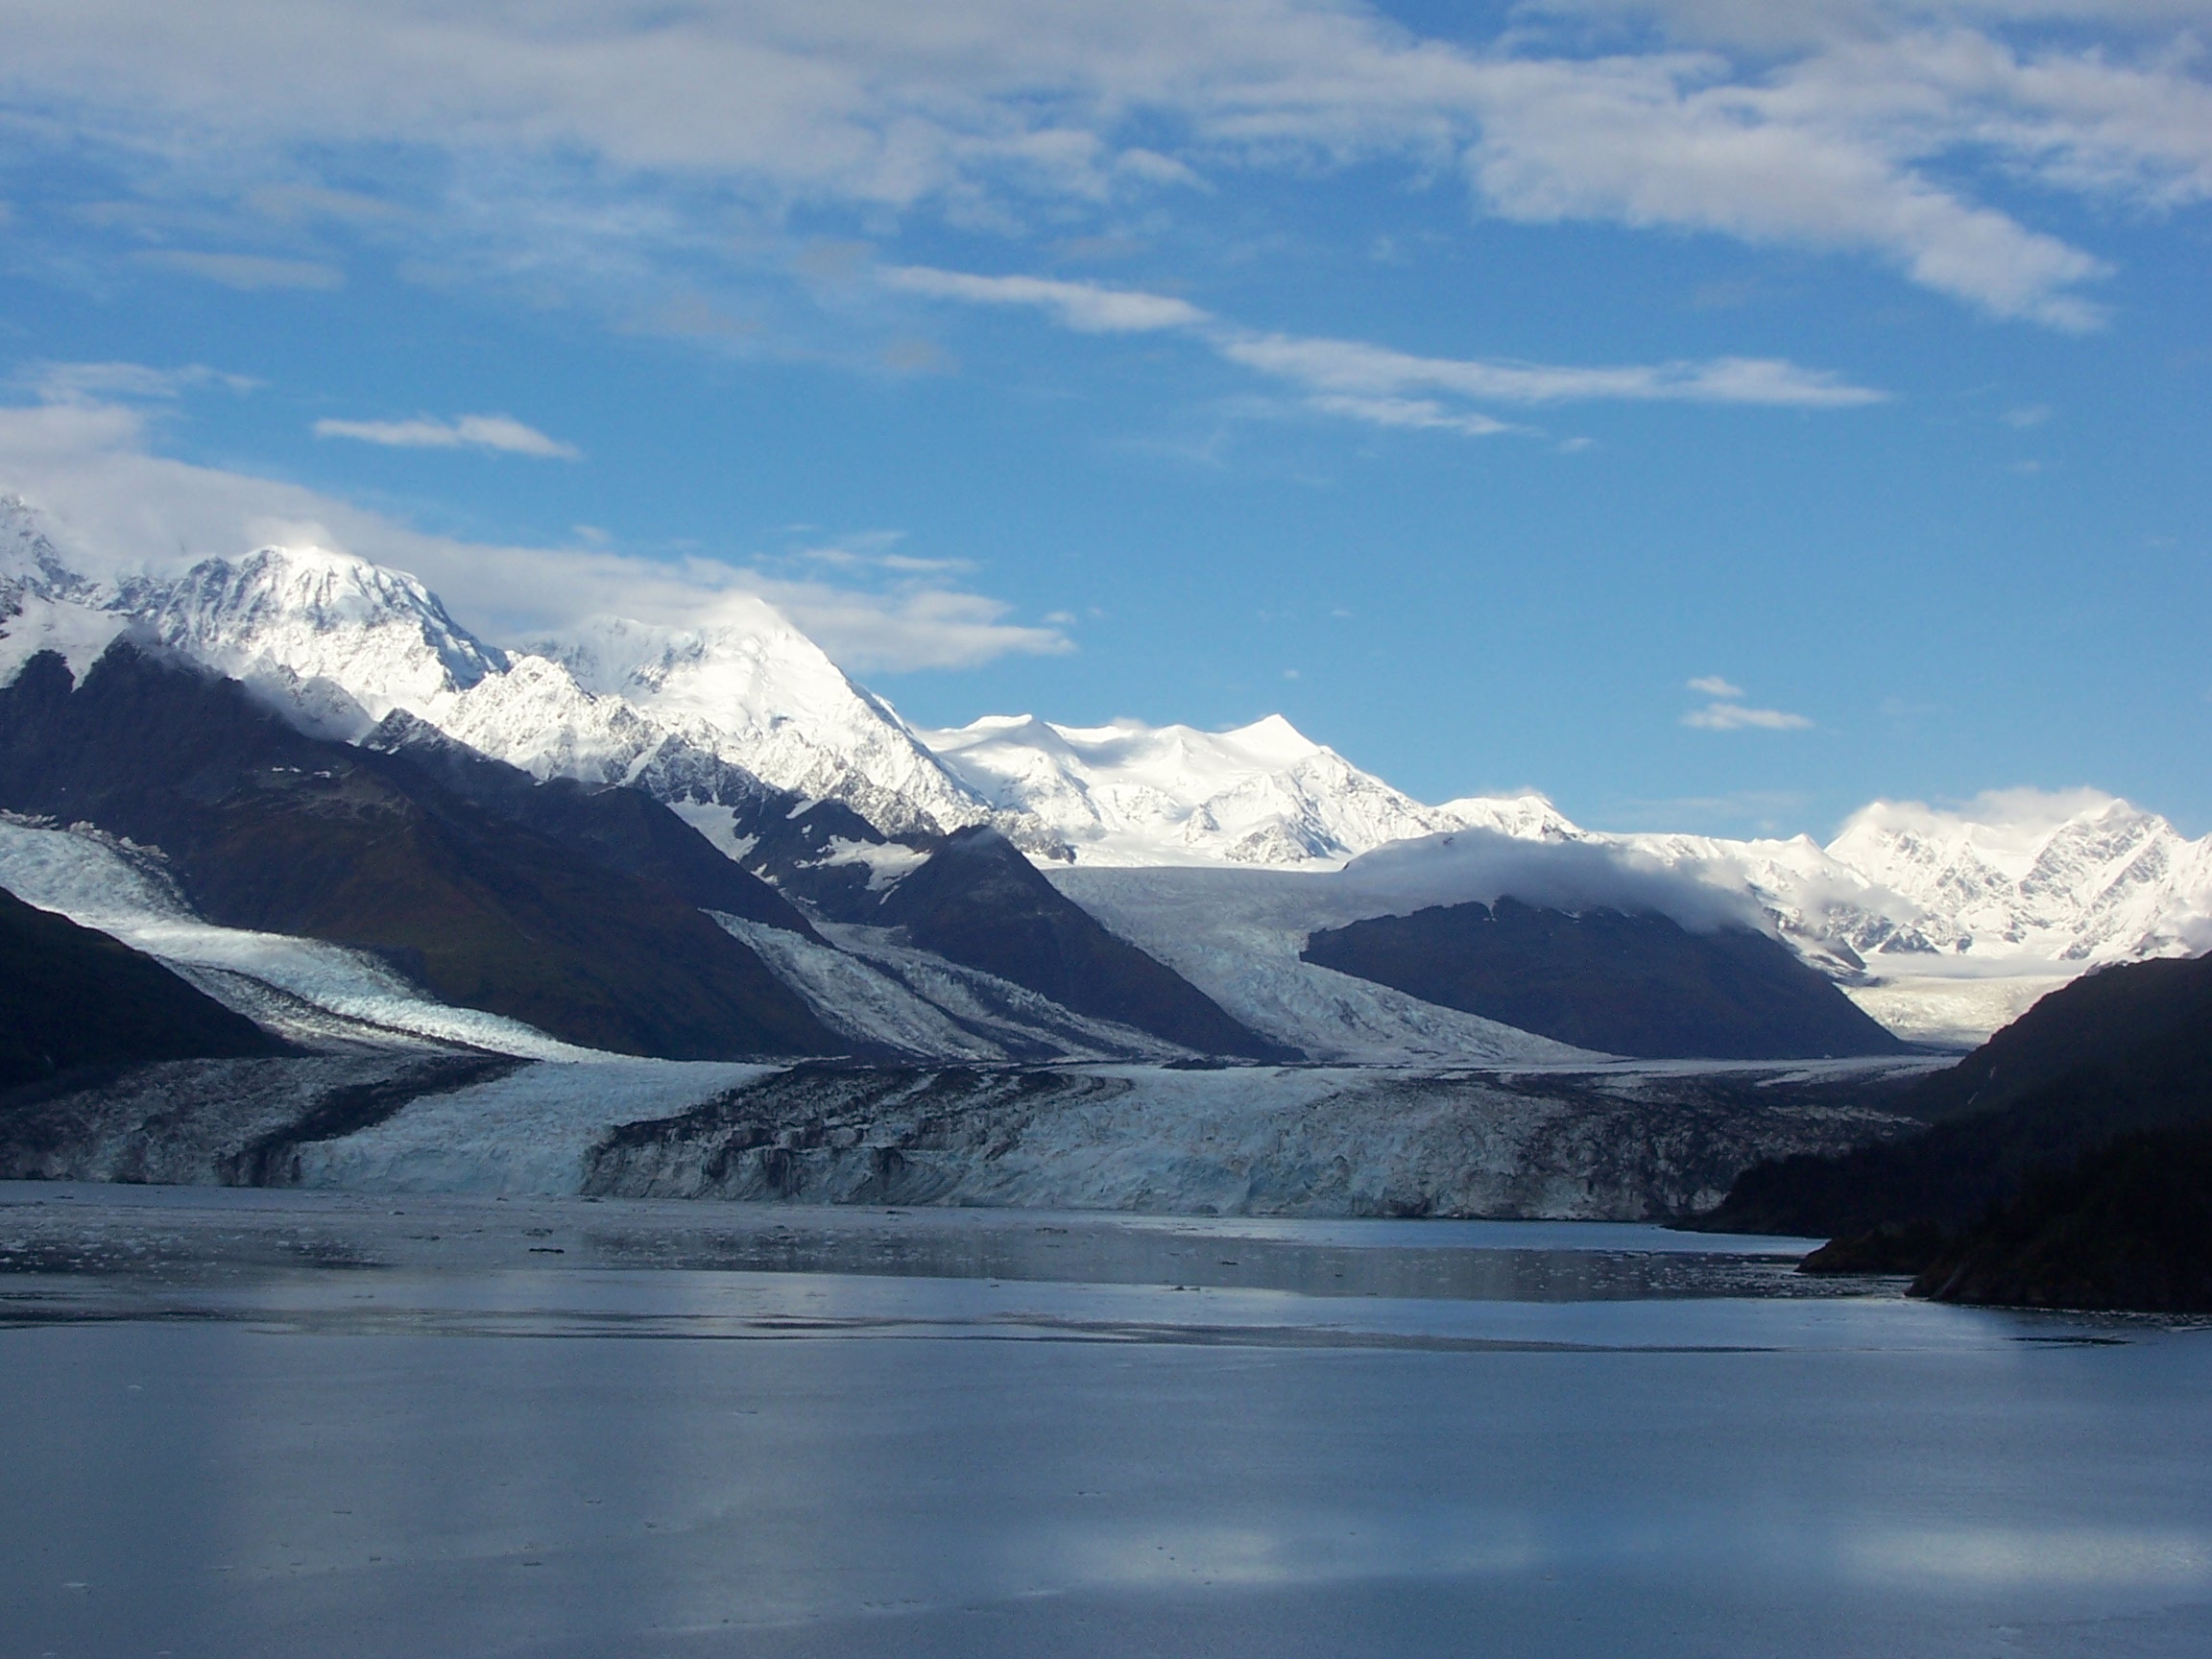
(2066, 1155)
(1641, 985)
(2125, 1048)
(270, 830)
(623, 829)
(71, 997)
(2128, 1226)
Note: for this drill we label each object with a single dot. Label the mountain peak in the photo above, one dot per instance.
(1274, 737)
(1128, 793)
(749, 687)
(323, 630)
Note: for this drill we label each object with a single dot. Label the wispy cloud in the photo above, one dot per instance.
(1736, 717)
(247, 271)
(120, 505)
(1419, 414)
(78, 382)
(1353, 366)
(1086, 307)
(500, 432)
(1728, 712)
(1359, 381)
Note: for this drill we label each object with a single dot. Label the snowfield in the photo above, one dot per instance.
(1235, 934)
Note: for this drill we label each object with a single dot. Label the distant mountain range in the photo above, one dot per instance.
(847, 821)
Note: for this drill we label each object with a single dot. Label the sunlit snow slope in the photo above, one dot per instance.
(1265, 794)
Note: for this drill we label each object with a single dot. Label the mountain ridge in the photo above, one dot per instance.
(1938, 921)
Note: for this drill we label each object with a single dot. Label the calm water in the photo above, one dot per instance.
(287, 1424)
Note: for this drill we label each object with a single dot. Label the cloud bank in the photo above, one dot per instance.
(592, 134)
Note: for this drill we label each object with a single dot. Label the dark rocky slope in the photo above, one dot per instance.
(2128, 1226)
(266, 828)
(2125, 1048)
(1641, 985)
(624, 830)
(72, 997)
(2063, 1159)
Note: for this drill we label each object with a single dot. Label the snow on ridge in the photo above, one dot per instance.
(754, 690)
(343, 641)
(319, 628)
(1128, 794)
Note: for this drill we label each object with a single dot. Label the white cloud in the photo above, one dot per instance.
(1816, 155)
(1419, 413)
(2026, 416)
(248, 272)
(117, 505)
(1353, 367)
(1372, 383)
(80, 382)
(1084, 306)
(1883, 130)
(1713, 685)
(1735, 717)
(500, 432)
(2027, 813)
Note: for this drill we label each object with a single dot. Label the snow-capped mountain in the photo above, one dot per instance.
(740, 711)
(44, 605)
(1266, 794)
(342, 640)
(754, 690)
(2080, 877)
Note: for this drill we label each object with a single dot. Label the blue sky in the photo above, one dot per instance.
(1713, 414)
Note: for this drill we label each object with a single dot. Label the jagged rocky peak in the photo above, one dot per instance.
(2074, 876)
(29, 563)
(1526, 817)
(44, 604)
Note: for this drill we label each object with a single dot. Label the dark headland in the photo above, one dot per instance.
(2067, 1161)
